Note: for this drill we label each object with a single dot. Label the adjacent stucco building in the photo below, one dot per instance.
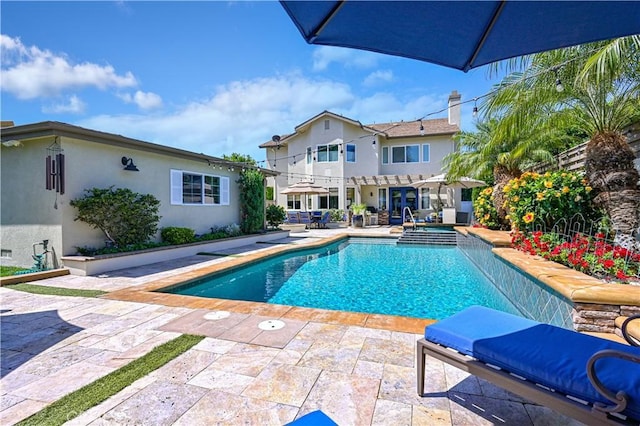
(46, 165)
(374, 164)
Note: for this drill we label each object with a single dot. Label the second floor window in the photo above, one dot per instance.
(351, 153)
(327, 153)
(426, 154)
(309, 155)
(401, 154)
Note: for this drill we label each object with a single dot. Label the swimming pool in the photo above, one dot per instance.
(359, 275)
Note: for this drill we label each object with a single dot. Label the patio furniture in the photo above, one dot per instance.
(540, 362)
(293, 217)
(323, 220)
(305, 217)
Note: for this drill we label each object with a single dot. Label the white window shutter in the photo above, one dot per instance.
(224, 191)
(176, 187)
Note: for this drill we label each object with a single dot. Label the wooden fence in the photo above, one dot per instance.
(573, 159)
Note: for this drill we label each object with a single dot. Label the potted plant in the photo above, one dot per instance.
(358, 211)
(275, 215)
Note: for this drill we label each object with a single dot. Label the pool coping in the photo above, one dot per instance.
(147, 293)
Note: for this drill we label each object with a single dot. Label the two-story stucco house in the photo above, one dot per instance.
(46, 165)
(374, 164)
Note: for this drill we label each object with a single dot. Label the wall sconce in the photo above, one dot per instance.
(373, 142)
(371, 194)
(128, 163)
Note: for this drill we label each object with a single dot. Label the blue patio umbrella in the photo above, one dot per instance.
(462, 34)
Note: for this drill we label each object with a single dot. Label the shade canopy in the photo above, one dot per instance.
(305, 188)
(438, 181)
(462, 34)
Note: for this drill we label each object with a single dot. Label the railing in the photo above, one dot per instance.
(404, 216)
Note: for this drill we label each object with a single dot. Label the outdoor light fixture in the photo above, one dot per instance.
(373, 142)
(421, 129)
(559, 86)
(128, 163)
(475, 107)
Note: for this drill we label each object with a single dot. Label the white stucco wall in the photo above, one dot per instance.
(28, 213)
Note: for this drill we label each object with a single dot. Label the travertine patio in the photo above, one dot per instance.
(358, 369)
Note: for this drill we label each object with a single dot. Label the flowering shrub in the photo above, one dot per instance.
(592, 256)
(484, 210)
(542, 200)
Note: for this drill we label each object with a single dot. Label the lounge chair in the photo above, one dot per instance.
(305, 217)
(293, 217)
(315, 418)
(540, 362)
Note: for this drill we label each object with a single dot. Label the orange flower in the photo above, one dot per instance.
(548, 184)
(540, 196)
(565, 189)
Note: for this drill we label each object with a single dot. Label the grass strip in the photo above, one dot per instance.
(77, 402)
(55, 291)
(7, 271)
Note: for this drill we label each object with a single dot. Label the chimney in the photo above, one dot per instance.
(454, 108)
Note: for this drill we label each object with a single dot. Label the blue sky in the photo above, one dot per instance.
(212, 77)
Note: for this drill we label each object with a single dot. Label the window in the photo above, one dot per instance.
(326, 124)
(466, 194)
(382, 198)
(351, 153)
(426, 153)
(197, 188)
(385, 155)
(293, 202)
(309, 155)
(405, 154)
(328, 153)
(425, 201)
(329, 201)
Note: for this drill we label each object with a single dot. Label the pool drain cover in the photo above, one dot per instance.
(271, 325)
(217, 315)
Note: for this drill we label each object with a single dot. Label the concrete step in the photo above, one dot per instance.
(422, 237)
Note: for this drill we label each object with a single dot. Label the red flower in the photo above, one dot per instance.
(608, 263)
(621, 275)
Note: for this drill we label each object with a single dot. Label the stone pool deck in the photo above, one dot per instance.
(359, 369)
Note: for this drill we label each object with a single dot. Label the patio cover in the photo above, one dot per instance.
(462, 34)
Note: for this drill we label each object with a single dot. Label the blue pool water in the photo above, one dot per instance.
(358, 276)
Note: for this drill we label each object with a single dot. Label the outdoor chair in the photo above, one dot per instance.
(305, 217)
(322, 222)
(549, 365)
(292, 217)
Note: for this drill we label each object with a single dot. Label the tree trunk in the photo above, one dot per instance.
(502, 175)
(610, 170)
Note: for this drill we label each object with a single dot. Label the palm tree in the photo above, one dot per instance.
(600, 95)
(491, 154)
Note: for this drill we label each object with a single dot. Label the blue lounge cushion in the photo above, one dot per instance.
(549, 355)
(314, 418)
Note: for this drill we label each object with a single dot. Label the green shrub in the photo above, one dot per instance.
(251, 201)
(275, 215)
(125, 217)
(336, 215)
(540, 201)
(484, 209)
(177, 235)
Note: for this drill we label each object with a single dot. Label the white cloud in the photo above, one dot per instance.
(144, 100)
(241, 115)
(323, 56)
(29, 72)
(377, 77)
(74, 105)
